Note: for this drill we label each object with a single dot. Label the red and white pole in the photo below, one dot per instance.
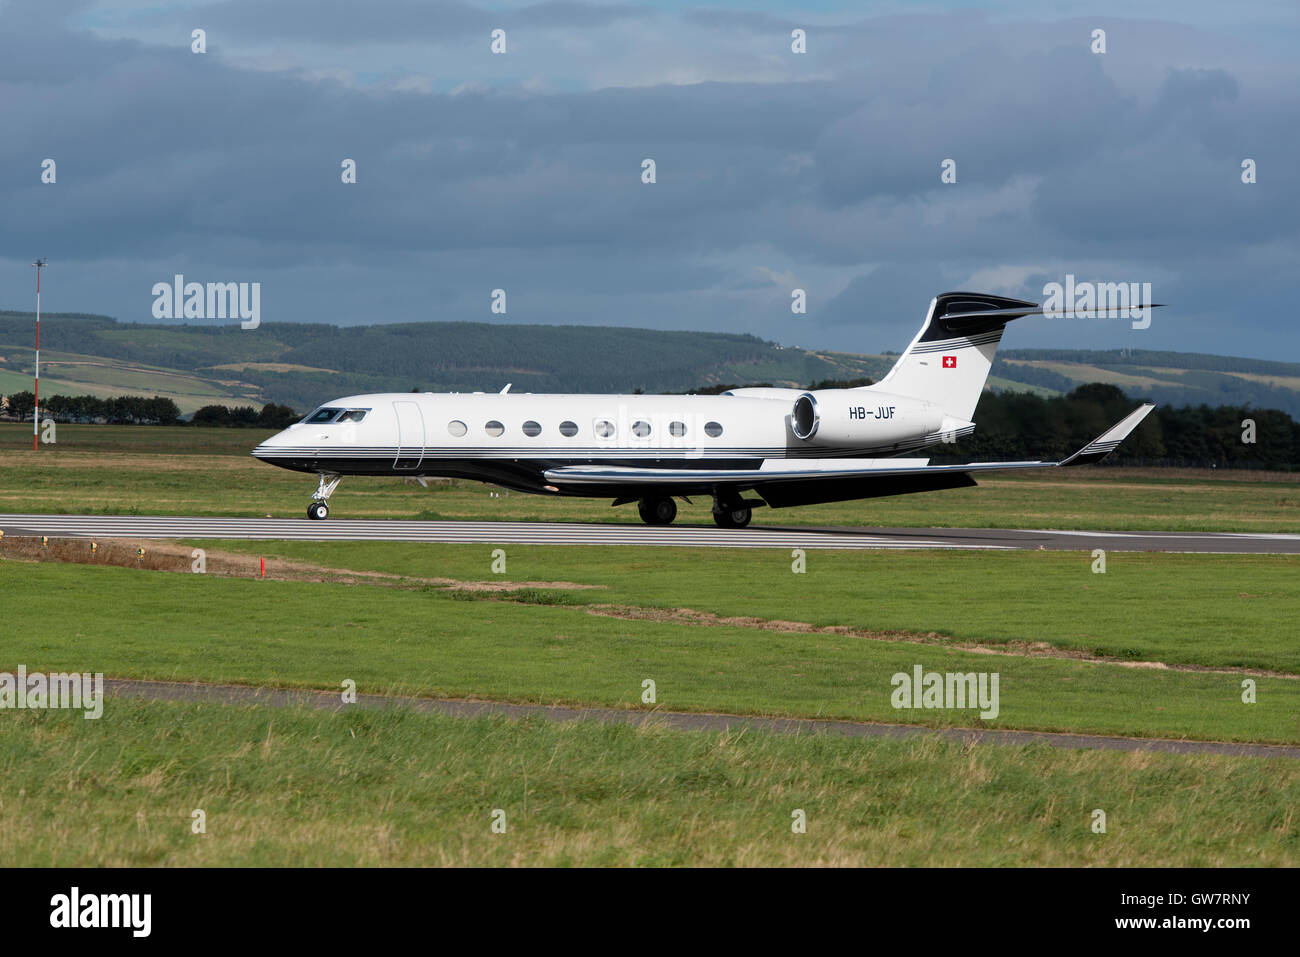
(36, 395)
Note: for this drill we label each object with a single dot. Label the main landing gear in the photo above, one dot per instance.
(731, 511)
(319, 507)
(728, 513)
(659, 510)
(733, 517)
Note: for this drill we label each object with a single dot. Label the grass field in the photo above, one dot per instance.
(294, 787)
(190, 471)
(1209, 610)
(1158, 646)
(548, 642)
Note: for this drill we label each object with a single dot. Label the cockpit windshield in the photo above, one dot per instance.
(327, 414)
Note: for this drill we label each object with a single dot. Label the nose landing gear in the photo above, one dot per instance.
(319, 507)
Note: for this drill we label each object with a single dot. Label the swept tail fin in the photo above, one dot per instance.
(948, 362)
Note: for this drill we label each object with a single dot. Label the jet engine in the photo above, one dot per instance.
(852, 417)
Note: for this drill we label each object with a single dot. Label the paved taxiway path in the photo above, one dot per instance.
(707, 536)
(675, 720)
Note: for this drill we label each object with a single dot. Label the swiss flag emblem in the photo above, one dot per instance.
(950, 362)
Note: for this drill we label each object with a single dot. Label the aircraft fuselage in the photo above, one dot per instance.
(513, 439)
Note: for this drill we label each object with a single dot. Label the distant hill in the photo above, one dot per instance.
(303, 364)
(1168, 378)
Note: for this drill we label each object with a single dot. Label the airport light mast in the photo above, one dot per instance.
(36, 394)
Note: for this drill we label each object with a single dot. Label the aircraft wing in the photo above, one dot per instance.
(876, 476)
(1104, 444)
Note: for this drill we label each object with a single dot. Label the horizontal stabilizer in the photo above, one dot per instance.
(956, 318)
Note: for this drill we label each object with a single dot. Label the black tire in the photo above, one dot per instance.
(657, 511)
(318, 510)
(733, 517)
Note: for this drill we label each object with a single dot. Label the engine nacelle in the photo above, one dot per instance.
(850, 417)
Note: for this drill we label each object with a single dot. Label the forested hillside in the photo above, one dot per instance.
(1169, 378)
(304, 364)
(1202, 398)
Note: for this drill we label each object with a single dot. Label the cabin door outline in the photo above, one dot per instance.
(410, 435)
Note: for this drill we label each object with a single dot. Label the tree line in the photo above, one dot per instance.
(1015, 426)
(143, 410)
(272, 416)
(118, 409)
(1010, 426)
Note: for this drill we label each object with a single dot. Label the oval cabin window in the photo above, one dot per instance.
(712, 429)
(640, 429)
(603, 428)
(677, 429)
(569, 429)
(494, 429)
(456, 427)
(532, 429)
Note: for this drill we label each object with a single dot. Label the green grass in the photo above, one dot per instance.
(1212, 610)
(186, 471)
(423, 641)
(126, 441)
(298, 787)
(295, 787)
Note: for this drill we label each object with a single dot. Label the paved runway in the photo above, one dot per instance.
(694, 536)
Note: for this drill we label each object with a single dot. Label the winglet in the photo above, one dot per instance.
(1104, 444)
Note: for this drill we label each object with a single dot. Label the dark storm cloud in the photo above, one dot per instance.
(346, 22)
(996, 115)
(754, 21)
(1180, 185)
(889, 304)
(204, 149)
(172, 160)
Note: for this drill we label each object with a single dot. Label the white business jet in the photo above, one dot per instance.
(785, 446)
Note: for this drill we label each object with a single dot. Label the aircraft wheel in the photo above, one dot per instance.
(318, 510)
(657, 511)
(733, 517)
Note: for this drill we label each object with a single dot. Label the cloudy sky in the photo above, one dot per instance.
(775, 170)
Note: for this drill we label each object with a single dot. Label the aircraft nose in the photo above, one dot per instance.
(271, 445)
